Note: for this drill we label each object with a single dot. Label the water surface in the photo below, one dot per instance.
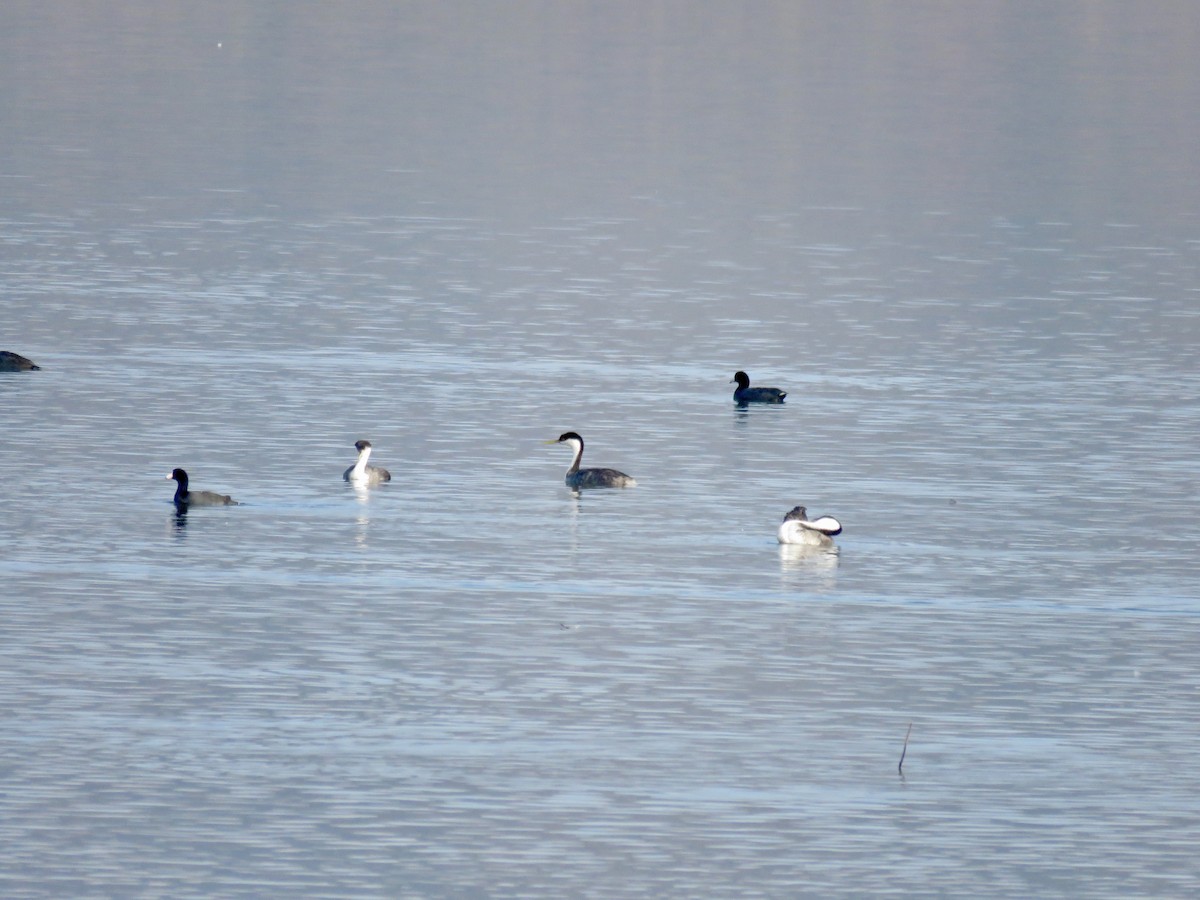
(237, 242)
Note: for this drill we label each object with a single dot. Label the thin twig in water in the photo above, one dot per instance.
(900, 768)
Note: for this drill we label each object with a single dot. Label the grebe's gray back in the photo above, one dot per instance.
(362, 473)
(743, 393)
(589, 478)
(15, 362)
(185, 498)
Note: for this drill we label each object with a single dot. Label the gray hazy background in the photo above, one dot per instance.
(1076, 111)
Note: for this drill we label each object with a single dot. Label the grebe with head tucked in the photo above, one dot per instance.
(743, 393)
(360, 472)
(589, 478)
(797, 528)
(185, 498)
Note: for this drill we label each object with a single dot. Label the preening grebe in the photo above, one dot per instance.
(798, 529)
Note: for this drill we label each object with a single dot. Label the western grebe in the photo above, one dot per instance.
(745, 394)
(361, 472)
(798, 529)
(15, 362)
(184, 497)
(589, 478)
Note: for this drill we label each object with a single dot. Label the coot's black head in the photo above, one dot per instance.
(179, 475)
(360, 446)
(742, 379)
(798, 512)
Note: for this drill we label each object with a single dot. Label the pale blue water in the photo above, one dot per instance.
(459, 237)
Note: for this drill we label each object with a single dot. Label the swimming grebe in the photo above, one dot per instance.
(361, 472)
(589, 478)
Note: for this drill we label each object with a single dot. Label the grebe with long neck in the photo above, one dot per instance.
(589, 478)
(744, 394)
(797, 528)
(185, 498)
(360, 472)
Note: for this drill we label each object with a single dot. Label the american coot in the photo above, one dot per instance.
(797, 528)
(589, 478)
(360, 472)
(185, 498)
(746, 394)
(15, 362)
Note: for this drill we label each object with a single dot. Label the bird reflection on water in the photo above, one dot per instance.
(808, 567)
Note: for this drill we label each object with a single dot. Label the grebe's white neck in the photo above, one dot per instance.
(577, 445)
(360, 467)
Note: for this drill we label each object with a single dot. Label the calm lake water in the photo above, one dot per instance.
(965, 240)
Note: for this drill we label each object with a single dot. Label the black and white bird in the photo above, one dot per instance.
(360, 472)
(589, 478)
(797, 528)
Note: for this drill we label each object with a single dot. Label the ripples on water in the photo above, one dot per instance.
(469, 681)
